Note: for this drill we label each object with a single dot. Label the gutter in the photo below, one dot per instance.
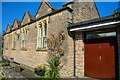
(94, 26)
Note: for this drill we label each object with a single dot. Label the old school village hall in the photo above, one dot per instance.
(92, 44)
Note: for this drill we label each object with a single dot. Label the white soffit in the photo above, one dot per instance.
(94, 26)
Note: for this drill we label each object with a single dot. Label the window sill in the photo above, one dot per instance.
(41, 49)
(23, 49)
(13, 49)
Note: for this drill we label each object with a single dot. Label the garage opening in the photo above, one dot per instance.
(100, 51)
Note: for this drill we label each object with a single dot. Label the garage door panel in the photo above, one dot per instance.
(91, 60)
(100, 59)
(108, 60)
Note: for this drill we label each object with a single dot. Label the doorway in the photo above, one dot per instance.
(100, 49)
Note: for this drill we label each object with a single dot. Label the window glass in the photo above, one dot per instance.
(42, 33)
(100, 34)
(23, 40)
(45, 33)
(40, 36)
(14, 42)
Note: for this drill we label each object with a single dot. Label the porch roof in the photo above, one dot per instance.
(99, 23)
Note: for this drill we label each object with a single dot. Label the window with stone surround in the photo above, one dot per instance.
(42, 33)
(23, 40)
(13, 42)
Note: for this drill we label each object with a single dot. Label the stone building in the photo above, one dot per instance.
(101, 44)
(25, 41)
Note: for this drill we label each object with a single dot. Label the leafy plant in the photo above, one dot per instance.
(54, 44)
(6, 63)
(54, 67)
(116, 12)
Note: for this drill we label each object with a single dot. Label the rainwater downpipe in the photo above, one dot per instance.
(74, 40)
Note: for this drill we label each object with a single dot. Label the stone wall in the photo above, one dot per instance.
(56, 23)
(79, 54)
(68, 68)
(56, 27)
(84, 11)
(44, 9)
(30, 56)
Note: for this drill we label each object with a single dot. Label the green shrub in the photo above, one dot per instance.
(116, 12)
(56, 51)
(6, 63)
(53, 68)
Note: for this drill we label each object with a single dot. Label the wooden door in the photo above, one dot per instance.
(100, 58)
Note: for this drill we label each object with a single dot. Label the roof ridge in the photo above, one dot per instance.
(48, 3)
(9, 26)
